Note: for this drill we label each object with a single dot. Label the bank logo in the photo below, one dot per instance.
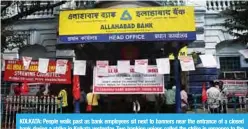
(126, 16)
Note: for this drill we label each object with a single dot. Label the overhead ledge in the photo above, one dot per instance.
(100, 4)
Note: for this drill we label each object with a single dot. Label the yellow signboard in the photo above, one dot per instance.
(98, 24)
(182, 52)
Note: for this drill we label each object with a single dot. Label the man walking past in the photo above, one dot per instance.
(170, 100)
(223, 99)
(213, 95)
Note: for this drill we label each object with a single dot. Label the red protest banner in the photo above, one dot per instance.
(15, 72)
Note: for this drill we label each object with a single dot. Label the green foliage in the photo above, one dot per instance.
(11, 39)
(236, 21)
(195, 56)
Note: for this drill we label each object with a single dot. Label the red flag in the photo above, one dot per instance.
(24, 88)
(204, 93)
(17, 90)
(76, 87)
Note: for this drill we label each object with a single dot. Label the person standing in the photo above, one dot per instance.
(62, 99)
(92, 102)
(213, 95)
(40, 93)
(223, 99)
(170, 99)
(17, 90)
(150, 103)
(184, 99)
(83, 101)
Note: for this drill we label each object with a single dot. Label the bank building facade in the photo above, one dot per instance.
(42, 33)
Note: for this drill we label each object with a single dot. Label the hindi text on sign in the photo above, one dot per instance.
(101, 25)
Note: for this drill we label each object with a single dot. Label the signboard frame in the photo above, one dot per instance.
(127, 24)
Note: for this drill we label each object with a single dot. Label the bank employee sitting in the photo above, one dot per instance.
(62, 100)
(92, 101)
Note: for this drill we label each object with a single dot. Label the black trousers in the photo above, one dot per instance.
(184, 109)
(214, 110)
(224, 109)
(64, 110)
(150, 107)
(171, 108)
(83, 107)
(95, 109)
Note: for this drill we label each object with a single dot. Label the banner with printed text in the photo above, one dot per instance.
(127, 24)
(129, 83)
(15, 72)
(235, 87)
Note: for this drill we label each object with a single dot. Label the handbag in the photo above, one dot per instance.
(89, 107)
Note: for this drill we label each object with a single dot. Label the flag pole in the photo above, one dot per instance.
(177, 75)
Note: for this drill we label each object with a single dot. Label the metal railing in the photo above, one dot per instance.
(74, 4)
(219, 5)
(13, 105)
(172, 2)
(20, 6)
(233, 104)
(17, 6)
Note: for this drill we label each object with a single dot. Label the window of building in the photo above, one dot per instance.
(230, 63)
(231, 68)
(237, 75)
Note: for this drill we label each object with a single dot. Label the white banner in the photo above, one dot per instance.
(123, 66)
(208, 61)
(26, 62)
(79, 67)
(61, 66)
(102, 68)
(163, 65)
(132, 83)
(236, 87)
(187, 63)
(43, 65)
(141, 66)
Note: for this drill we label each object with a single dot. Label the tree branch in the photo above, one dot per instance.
(30, 11)
(8, 3)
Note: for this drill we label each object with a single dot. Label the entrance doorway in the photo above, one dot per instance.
(113, 52)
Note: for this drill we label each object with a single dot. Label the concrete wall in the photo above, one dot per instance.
(216, 40)
(43, 31)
